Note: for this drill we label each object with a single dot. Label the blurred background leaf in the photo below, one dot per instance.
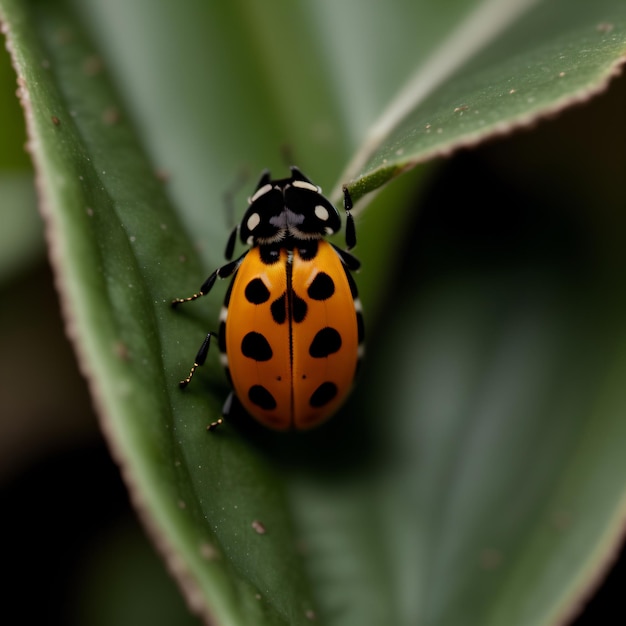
(493, 376)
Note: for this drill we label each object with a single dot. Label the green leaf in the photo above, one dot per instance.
(503, 66)
(21, 239)
(141, 115)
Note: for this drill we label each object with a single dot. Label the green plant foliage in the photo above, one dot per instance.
(21, 238)
(463, 483)
(502, 66)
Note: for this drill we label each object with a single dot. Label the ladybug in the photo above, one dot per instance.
(291, 327)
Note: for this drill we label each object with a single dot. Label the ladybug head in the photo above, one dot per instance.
(288, 207)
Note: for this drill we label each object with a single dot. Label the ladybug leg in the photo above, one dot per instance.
(199, 360)
(350, 261)
(213, 425)
(225, 413)
(350, 228)
(221, 272)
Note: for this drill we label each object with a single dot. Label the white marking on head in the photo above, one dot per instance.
(329, 231)
(223, 314)
(253, 221)
(259, 192)
(358, 307)
(224, 359)
(321, 212)
(303, 184)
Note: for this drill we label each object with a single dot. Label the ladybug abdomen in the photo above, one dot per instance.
(291, 332)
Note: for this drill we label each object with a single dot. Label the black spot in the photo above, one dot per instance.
(260, 396)
(322, 287)
(299, 308)
(255, 346)
(327, 341)
(256, 292)
(308, 250)
(278, 309)
(323, 394)
(269, 254)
